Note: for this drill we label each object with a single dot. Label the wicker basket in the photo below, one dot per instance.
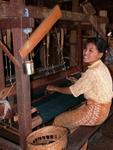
(48, 138)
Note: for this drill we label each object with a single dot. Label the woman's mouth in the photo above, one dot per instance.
(85, 57)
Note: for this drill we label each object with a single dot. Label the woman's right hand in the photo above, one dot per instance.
(71, 79)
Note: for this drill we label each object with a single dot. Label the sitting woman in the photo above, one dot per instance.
(95, 84)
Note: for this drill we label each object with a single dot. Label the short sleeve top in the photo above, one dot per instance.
(95, 83)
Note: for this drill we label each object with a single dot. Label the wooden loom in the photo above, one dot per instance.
(40, 84)
(57, 78)
(36, 85)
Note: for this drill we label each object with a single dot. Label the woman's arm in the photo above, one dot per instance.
(63, 90)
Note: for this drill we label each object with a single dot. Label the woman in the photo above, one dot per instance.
(95, 84)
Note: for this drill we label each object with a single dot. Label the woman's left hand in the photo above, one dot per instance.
(51, 88)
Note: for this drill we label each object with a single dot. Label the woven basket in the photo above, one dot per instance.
(48, 138)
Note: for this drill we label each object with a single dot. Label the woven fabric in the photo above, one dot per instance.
(56, 104)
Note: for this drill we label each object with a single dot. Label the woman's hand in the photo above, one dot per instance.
(71, 79)
(63, 90)
(51, 88)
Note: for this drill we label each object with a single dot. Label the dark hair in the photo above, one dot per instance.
(100, 43)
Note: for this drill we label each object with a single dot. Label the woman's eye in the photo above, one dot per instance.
(84, 49)
(90, 50)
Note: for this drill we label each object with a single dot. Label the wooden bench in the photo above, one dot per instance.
(83, 133)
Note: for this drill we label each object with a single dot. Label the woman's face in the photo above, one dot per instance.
(91, 54)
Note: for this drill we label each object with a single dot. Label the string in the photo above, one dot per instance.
(8, 92)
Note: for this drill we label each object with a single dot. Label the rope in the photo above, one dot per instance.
(10, 89)
(8, 92)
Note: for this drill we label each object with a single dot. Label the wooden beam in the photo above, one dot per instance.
(37, 12)
(96, 25)
(6, 23)
(15, 2)
(22, 90)
(7, 10)
(6, 144)
(101, 19)
(88, 9)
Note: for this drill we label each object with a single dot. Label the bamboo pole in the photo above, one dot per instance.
(40, 31)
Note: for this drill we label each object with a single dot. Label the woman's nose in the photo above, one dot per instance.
(85, 51)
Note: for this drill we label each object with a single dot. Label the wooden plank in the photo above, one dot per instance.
(7, 10)
(54, 78)
(88, 8)
(79, 137)
(41, 83)
(102, 19)
(15, 2)
(22, 89)
(7, 145)
(6, 23)
(9, 134)
(96, 25)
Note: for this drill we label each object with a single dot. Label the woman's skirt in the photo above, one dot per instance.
(89, 114)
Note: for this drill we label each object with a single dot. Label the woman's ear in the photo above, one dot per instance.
(101, 55)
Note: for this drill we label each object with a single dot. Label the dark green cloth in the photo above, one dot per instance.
(55, 104)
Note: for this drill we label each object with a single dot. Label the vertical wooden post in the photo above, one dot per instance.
(75, 39)
(73, 48)
(76, 6)
(103, 13)
(2, 77)
(23, 90)
(22, 85)
(79, 48)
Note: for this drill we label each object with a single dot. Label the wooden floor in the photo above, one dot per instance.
(103, 139)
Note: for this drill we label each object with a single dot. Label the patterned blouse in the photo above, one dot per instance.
(95, 83)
